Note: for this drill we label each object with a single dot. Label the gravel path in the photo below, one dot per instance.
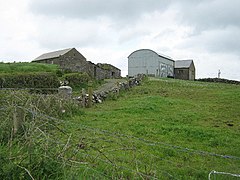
(110, 84)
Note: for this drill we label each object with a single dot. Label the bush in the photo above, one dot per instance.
(77, 79)
(29, 80)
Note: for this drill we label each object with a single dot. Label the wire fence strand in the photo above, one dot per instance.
(96, 148)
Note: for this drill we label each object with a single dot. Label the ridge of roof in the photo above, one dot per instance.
(52, 54)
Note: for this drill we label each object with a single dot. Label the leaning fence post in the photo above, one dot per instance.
(118, 88)
(18, 118)
(83, 97)
(90, 94)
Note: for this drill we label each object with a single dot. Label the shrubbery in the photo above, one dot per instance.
(29, 80)
(77, 79)
(31, 130)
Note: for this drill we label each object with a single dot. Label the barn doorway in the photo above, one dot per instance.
(113, 74)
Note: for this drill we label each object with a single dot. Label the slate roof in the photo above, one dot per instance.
(53, 54)
(183, 63)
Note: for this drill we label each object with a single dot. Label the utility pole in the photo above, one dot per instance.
(219, 73)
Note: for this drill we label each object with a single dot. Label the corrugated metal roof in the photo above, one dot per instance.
(53, 54)
(160, 55)
(183, 63)
(165, 56)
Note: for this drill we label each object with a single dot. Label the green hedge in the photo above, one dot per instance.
(29, 80)
(77, 79)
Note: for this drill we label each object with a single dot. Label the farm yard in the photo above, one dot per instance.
(161, 129)
(128, 90)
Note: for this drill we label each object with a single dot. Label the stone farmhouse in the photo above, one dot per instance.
(184, 69)
(72, 60)
(146, 61)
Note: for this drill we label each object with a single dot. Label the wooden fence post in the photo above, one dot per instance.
(83, 97)
(18, 118)
(118, 88)
(90, 93)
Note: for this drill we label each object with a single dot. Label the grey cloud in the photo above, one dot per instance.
(225, 40)
(215, 24)
(70, 33)
(94, 8)
(52, 41)
(132, 36)
(210, 14)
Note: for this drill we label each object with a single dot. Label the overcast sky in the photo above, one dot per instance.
(107, 31)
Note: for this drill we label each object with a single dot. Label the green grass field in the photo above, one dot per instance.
(162, 129)
(27, 67)
(163, 114)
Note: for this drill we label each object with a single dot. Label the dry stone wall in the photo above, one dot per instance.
(113, 92)
(219, 80)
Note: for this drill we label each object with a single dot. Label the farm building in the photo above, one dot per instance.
(184, 69)
(146, 61)
(111, 71)
(72, 60)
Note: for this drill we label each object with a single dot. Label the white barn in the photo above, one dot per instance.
(146, 61)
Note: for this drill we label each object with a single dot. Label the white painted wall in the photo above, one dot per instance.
(146, 61)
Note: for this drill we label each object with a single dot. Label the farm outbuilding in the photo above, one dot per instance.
(184, 69)
(67, 59)
(146, 61)
(72, 60)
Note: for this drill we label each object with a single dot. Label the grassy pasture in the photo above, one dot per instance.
(195, 115)
(162, 129)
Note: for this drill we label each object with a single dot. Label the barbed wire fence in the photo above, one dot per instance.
(105, 154)
(213, 172)
(112, 154)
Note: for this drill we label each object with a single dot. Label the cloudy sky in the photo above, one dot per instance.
(107, 31)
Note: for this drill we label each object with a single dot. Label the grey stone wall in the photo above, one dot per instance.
(181, 73)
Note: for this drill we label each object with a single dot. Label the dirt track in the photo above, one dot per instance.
(110, 84)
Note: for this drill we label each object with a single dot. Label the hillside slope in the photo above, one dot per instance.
(161, 129)
(188, 128)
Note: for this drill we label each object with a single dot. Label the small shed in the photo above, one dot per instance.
(184, 69)
(111, 71)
